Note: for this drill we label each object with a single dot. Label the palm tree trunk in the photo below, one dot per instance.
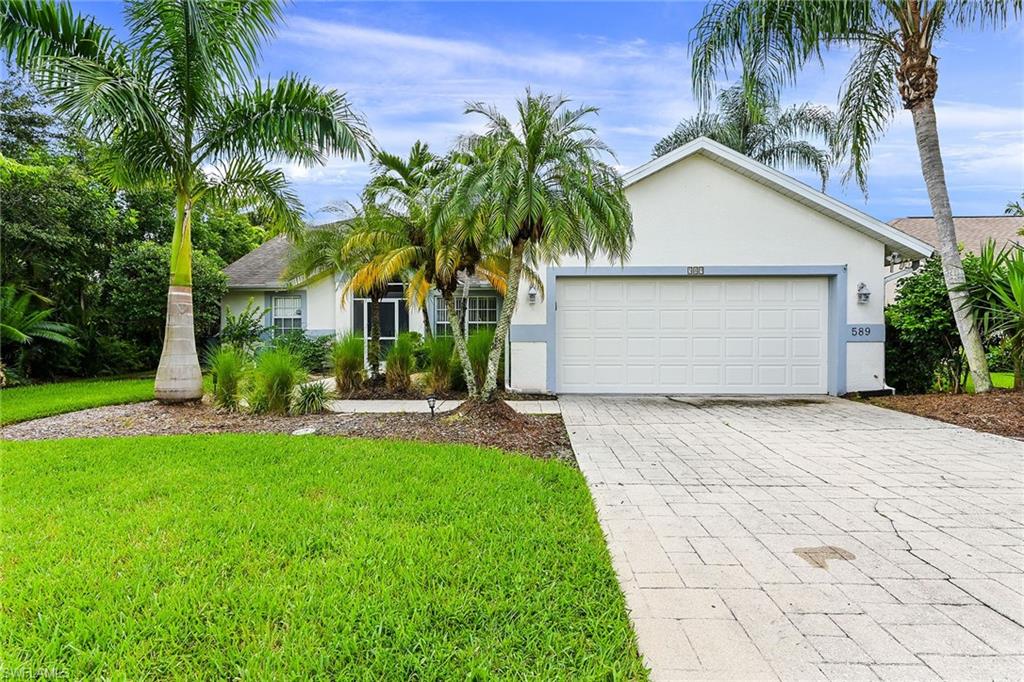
(508, 308)
(455, 323)
(428, 333)
(373, 350)
(927, 133)
(178, 377)
(1018, 366)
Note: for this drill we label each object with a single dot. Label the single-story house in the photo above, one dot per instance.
(972, 233)
(741, 280)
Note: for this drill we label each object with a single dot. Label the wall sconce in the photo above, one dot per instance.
(863, 295)
(532, 294)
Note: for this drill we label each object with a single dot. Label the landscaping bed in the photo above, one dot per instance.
(1000, 412)
(541, 436)
(280, 557)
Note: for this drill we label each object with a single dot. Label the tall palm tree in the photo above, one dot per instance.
(178, 102)
(329, 249)
(772, 40)
(544, 189)
(769, 134)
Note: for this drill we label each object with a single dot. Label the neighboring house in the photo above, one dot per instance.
(741, 280)
(318, 308)
(972, 232)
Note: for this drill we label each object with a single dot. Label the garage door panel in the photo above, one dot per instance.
(698, 335)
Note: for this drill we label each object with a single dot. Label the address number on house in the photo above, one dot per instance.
(694, 270)
(865, 332)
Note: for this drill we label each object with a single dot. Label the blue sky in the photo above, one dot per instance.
(410, 68)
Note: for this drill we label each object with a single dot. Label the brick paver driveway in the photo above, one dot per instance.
(706, 504)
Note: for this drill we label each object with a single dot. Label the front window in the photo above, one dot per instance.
(287, 313)
(478, 312)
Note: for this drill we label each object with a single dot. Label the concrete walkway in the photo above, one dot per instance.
(805, 540)
(351, 406)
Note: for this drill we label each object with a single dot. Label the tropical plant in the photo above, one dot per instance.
(401, 363)
(440, 360)
(769, 134)
(227, 365)
(275, 376)
(478, 345)
(347, 362)
(771, 41)
(311, 351)
(1015, 208)
(172, 102)
(22, 321)
(309, 398)
(329, 249)
(246, 329)
(998, 296)
(542, 189)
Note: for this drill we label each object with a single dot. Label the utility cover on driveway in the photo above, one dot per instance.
(720, 514)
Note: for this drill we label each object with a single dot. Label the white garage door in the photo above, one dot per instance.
(692, 335)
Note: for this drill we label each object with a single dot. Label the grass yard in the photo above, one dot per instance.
(42, 400)
(270, 556)
(999, 380)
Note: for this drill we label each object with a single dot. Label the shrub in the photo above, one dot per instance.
(311, 351)
(246, 329)
(440, 356)
(276, 375)
(1000, 357)
(227, 366)
(401, 362)
(347, 362)
(478, 346)
(309, 398)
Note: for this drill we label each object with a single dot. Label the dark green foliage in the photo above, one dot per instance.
(25, 126)
(244, 329)
(922, 343)
(310, 398)
(310, 351)
(275, 377)
(347, 362)
(440, 352)
(478, 345)
(1000, 358)
(135, 294)
(25, 324)
(401, 362)
(227, 366)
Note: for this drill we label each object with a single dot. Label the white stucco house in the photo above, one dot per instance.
(741, 280)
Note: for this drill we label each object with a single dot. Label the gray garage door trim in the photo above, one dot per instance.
(836, 275)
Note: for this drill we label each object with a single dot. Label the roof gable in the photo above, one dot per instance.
(894, 239)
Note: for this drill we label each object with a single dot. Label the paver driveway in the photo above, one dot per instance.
(704, 503)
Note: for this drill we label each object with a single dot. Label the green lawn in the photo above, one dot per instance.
(268, 557)
(999, 380)
(42, 400)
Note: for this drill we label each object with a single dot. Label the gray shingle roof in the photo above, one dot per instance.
(971, 231)
(260, 268)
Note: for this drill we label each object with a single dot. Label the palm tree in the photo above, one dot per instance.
(399, 187)
(772, 40)
(775, 136)
(177, 103)
(544, 190)
(1015, 208)
(998, 296)
(22, 323)
(329, 249)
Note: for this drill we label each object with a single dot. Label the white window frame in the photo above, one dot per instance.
(477, 312)
(288, 322)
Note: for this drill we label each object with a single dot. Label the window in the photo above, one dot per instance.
(287, 313)
(478, 312)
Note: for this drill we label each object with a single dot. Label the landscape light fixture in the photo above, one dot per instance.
(431, 402)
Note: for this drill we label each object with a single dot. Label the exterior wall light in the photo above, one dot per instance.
(863, 295)
(532, 294)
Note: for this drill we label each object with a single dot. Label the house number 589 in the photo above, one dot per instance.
(860, 331)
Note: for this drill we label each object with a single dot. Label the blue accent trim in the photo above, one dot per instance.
(837, 295)
(528, 333)
(864, 333)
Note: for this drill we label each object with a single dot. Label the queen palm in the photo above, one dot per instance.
(772, 40)
(177, 103)
(768, 133)
(545, 191)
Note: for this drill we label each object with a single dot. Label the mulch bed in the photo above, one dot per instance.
(497, 425)
(1000, 412)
